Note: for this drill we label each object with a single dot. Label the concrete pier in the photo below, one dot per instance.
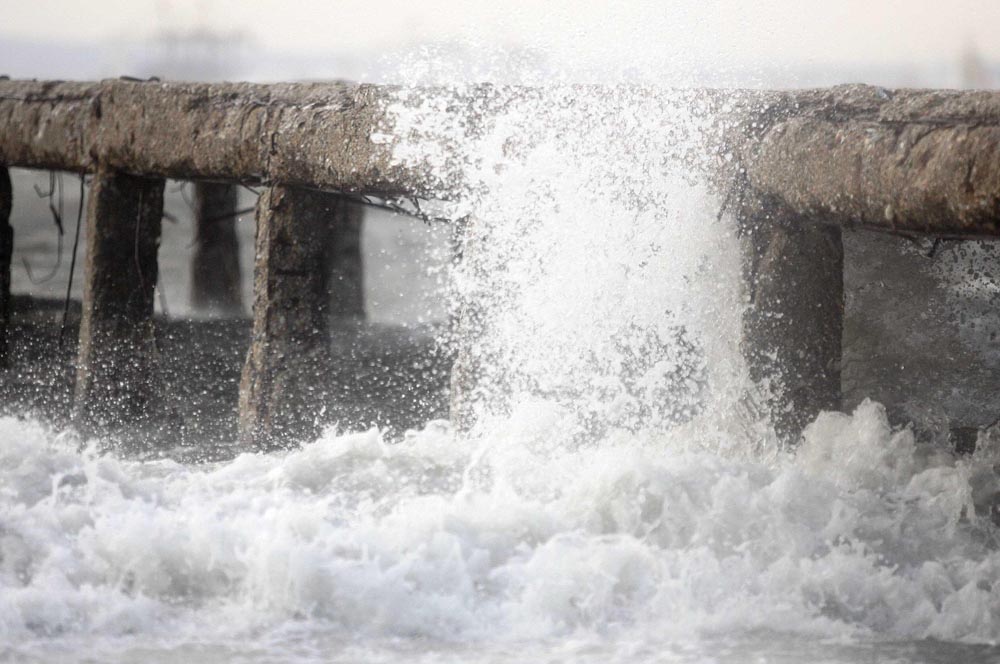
(278, 399)
(116, 372)
(805, 164)
(6, 249)
(794, 320)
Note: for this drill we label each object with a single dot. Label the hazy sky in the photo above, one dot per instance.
(840, 30)
(646, 35)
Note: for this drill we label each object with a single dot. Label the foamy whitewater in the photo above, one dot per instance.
(353, 549)
(617, 500)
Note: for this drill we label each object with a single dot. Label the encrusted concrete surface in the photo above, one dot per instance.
(922, 329)
(117, 372)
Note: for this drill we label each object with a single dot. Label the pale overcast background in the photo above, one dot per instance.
(783, 42)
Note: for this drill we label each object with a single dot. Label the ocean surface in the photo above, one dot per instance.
(860, 547)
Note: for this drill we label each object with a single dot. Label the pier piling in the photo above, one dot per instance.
(116, 363)
(794, 320)
(279, 398)
(6, 249)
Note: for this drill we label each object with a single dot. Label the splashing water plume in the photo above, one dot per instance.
(597, 280)
(610, 502)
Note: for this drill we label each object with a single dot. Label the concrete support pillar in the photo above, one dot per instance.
(6, 249)
(116, 363)
(471, 387)
(215, 266)
(347, 296)
(280, 393)
(792, 328)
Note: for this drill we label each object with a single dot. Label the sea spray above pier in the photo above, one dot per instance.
(597, 273)
(613, 501)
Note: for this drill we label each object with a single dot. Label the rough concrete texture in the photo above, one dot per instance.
(914, 161)
(116, 365)
(921, 327)
(50, 124)
(315, 135)
(279, 400)
(6, 249)
(911, 161)
(793, 324)
(215, 265)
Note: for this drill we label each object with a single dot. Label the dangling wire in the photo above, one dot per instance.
(55, 185)
(72, 262)
(52, 187)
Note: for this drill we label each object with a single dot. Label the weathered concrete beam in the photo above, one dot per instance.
(49, 124)
(906, 161)
(116, 361)
(279, 398)
(6, 249)
(312, 135)
(215, 264)
(914, 161)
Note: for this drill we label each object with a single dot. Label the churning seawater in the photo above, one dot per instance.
(617, 500)
(500, 549)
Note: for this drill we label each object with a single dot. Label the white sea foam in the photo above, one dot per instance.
(493, 543)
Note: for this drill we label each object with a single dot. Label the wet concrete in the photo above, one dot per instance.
(921, 329)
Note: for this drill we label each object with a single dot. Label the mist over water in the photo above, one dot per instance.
(613, 501)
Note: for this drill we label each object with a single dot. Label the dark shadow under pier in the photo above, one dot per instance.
(387, 376)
